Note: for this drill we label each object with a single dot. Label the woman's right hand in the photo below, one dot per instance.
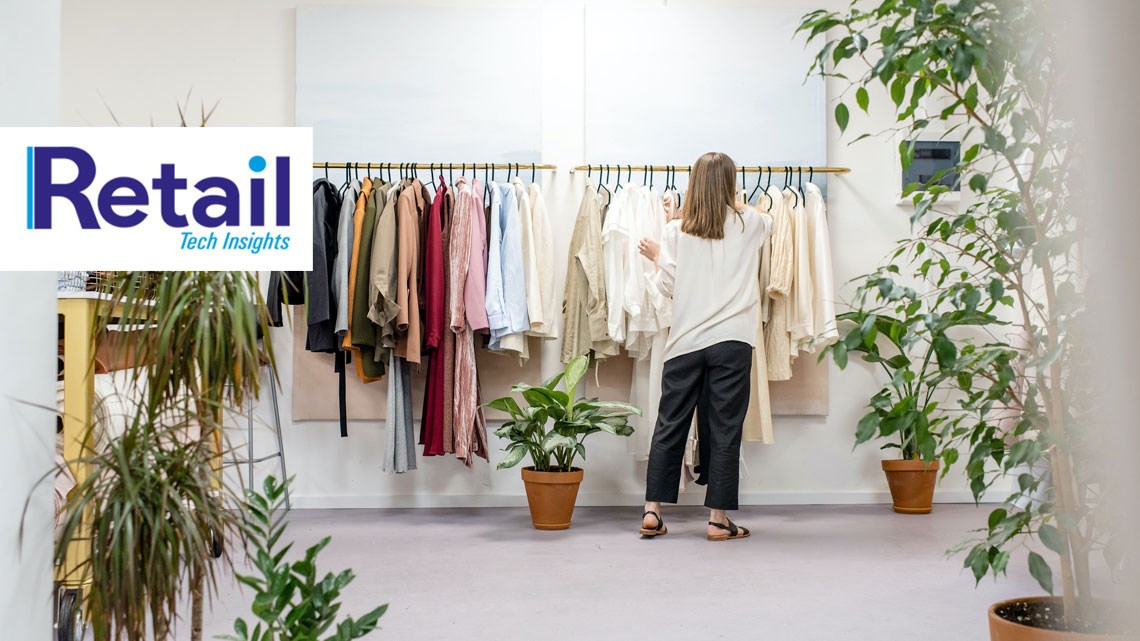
(649, 248)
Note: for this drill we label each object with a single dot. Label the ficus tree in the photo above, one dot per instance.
(1015, 253)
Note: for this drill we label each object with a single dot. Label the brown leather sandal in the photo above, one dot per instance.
(657, 531)
(734, 532)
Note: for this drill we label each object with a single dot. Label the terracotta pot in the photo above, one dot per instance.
(551, 496)
(1004, 630)
(912, 485)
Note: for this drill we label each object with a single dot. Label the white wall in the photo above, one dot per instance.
(29, 79)
(142, 57)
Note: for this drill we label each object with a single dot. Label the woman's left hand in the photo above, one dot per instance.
(649, 248)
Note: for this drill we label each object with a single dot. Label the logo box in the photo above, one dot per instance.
(156, 198)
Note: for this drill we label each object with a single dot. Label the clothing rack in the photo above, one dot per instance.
(751, 169)
(514, 166)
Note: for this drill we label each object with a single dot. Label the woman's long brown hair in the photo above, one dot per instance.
(711, 195)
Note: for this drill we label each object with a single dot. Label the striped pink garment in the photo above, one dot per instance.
(465, 256)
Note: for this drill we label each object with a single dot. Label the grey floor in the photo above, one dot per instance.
(808, 572)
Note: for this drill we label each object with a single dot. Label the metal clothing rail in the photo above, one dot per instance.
(514, 166)
(751, 169)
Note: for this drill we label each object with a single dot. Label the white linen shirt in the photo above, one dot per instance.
(712, 283)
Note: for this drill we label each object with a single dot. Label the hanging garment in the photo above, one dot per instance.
(400, 454)
(758, 419)
(496, 304)
(470, 427)
(776, 342)
(321, 305)
(645, 384)
(383, 308)
(543, 238)
(508, 316)
(475, 283)
(801, 323)
(410, 210)
(824, 329)
(764, 204)
(617, 232)
(643, 325)
(354, 257)
(447, 364)
(530, 254)
(344, 239)
(584, 298)
(365, 333)
(435, 323)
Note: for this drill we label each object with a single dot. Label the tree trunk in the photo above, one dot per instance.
(196, 602)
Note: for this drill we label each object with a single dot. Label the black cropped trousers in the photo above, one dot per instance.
(715, 380)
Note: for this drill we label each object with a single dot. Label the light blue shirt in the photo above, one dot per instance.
(506, 310)
(495, 304)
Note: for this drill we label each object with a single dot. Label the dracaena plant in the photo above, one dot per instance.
(994, 77)
(553, 424)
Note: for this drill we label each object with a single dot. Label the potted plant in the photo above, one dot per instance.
(552, 480)
(154, 502)
(920, 362)
(988, 71)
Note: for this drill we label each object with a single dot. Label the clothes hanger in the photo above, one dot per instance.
(759, 179)
(650, 170)
(532, 168)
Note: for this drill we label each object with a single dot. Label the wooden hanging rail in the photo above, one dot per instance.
(751, 169)
(423, 166)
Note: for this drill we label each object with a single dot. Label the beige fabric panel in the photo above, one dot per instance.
(315, 383)
(806, 394)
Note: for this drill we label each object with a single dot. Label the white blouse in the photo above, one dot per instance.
(712, 283)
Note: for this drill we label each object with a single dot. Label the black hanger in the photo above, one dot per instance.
(532, 168)
(759, 179)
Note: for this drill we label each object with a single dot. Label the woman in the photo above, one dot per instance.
(707, 265)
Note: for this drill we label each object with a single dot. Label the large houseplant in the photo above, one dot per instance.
(889, 328)
(155, 501)
(552, 480)
(989, 72)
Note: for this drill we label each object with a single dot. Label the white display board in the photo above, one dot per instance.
(665, 85)
(398, 84)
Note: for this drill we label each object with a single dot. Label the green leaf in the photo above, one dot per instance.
(978, 561)
(898, 90)
(978, 183)
(575, 369)
(971, 97)
(842, 116)
(1041, 571)
(946, 351)
(514, 456)
(506, 404)
(868, 426)
(554, 440)
(839, 354)
(971, 153)
(1053, 539)
(552, 382)
(862, 98)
